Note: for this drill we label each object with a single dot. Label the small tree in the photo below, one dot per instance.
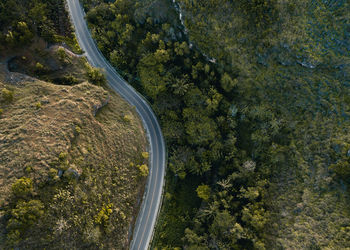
(23, 216)
(143, 170)
(61, 54)
(39, 68)
(22, 187)
(96, 76)
(203, 192)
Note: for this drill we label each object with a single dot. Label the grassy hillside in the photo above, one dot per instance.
(73, 154)
(79, 148)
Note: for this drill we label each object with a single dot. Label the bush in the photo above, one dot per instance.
(145, 155)
(7, 95)
(203, 192)
(143, 170)
(103, 216)
(23, 215)
(38, 105)
(39, 68)
(70, 80)
(127, 118)
(22, 187)
(61, 54)
(96, 76)
(77, 129)
(53, 173)
(62, 156)
(28, 169)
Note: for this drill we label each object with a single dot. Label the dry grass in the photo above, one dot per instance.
(85, 124)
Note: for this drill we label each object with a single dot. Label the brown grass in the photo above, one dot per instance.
(87, 123)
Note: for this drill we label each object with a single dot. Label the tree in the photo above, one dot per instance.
(96, 76)
(25, 214)
(227, 83)
(203, 192)
(20, 35)
(181, 85)
(22, 187)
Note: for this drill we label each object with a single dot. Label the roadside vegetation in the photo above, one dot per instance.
(257, 137)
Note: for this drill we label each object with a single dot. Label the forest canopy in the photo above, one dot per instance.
(252, 97)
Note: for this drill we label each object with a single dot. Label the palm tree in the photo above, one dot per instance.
(181, 85)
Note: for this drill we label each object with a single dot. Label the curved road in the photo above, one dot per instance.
(152, 197)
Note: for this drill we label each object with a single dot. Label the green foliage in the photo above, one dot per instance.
(103, 215)
(61, 54)
(7, 95)
(62, 156)
(38, 105)
(22, 187)
(145, 155)
(21, 35)
(28, 169)
(203, 192)
(39, 68)
(263, 110)
(21, 21)
(70, 80)
(53, 172)
(77, 129)
(96, 76)
(227, 83)
(127, 118)
(25, 214)
(143, 170)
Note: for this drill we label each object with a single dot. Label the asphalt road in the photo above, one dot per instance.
(148, 213)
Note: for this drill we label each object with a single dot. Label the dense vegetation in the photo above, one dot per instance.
(294, 90)
(258, 137)
(261, 135)
(21, 22)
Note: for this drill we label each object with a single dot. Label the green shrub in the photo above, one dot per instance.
(23, 215)
(61, 54)
(70, 80)
(7, 95)
(62, 156)
(53, 173)
(96, 76)
(39, 68)
(103, 215)
(22, 187)
(203, 192)
(28, 169)
(77, 129)
(127, 118)
(143, 170)
(38, 105)
(145, 155)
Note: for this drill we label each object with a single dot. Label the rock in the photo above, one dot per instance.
(71, 173)
(60, 173)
